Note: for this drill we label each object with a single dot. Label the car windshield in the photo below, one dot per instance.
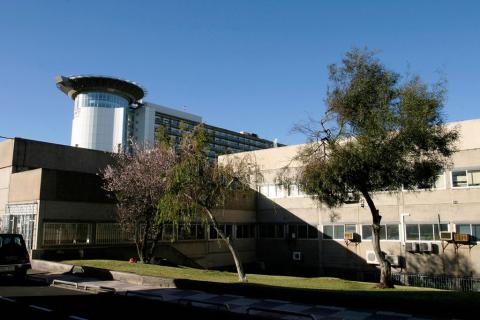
(6, 240)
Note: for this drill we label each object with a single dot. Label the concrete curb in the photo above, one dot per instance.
(142, 280)
(50, 266)
(131, 278)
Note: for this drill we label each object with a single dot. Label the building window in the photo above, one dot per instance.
(111, 233)
(191, 232)
(245, 231)
(168, 232)
(302, 231)
(272, 230)
(61, 234)
(227, 230)
(294, 190)
(439, 183)
(424, 231)
(466, 178)
(387, 232)
(337, 231)
(272, 190)
(471, 229)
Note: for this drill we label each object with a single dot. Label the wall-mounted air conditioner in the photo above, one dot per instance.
(371, 257)
(446, 236)
(393, 259)
(351, 236)
(296, 256)
(411, 247)
(461, 237)
(425, 247)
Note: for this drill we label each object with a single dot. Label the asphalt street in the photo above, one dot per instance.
(31, 300)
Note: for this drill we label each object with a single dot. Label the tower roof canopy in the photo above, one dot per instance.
(73, 85)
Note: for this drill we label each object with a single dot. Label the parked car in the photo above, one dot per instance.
(14, 258)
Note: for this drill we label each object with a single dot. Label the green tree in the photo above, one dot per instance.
(378, 134)
(199, 185)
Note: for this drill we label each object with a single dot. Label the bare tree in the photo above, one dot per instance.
(138, 179)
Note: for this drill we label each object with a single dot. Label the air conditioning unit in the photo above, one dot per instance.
(411, 247)
(393, 259)
(296, 256)
(425, 246)
(351, 236)
(446, 236)
(461, 237)
(371, 257)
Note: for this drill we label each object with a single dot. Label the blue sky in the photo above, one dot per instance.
(258, 65)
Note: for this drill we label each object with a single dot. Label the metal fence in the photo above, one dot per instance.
(466, 284)
(111, 233)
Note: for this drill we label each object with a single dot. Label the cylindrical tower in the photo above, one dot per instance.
(101, 106)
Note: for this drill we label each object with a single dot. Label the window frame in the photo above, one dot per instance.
(475, 238)
(466, 176)
(384, 227)
(418, 224)
(334, 225)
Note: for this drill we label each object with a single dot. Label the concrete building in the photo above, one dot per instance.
(309, 237)
(52, 195)
(108, 112)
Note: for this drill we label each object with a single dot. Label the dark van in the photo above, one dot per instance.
(14, 258)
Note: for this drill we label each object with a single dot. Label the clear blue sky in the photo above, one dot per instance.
(258, 65)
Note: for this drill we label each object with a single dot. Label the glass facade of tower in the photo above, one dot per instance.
(100, 100)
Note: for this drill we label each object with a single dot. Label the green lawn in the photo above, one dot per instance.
(323, 283)
(314, 290)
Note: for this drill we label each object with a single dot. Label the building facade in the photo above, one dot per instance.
(52, 194)
(108, 112)
(419, 227)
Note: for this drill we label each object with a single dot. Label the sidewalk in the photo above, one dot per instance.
(239, 304)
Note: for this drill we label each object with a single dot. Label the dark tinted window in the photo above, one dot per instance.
(10, 240)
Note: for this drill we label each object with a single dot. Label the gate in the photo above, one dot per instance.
(20, 218)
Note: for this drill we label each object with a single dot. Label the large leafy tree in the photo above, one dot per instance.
(139, 178)
(199, 185)
(379, 133)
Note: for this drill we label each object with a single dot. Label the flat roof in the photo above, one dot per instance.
(73, 85)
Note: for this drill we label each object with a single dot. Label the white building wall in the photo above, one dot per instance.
(98, 128)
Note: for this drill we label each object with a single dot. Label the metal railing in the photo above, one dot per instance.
(446, 282)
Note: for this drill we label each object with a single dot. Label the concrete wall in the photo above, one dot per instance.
(6, 158)
(25, 186)
(5, 174)
(30, 154)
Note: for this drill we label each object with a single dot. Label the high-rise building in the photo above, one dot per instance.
(108, 111)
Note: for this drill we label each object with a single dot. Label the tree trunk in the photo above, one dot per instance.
(154, 242)
(143, 248)
(238, 264)
(385, 267)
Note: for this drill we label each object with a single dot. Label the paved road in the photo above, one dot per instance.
(30, 300)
